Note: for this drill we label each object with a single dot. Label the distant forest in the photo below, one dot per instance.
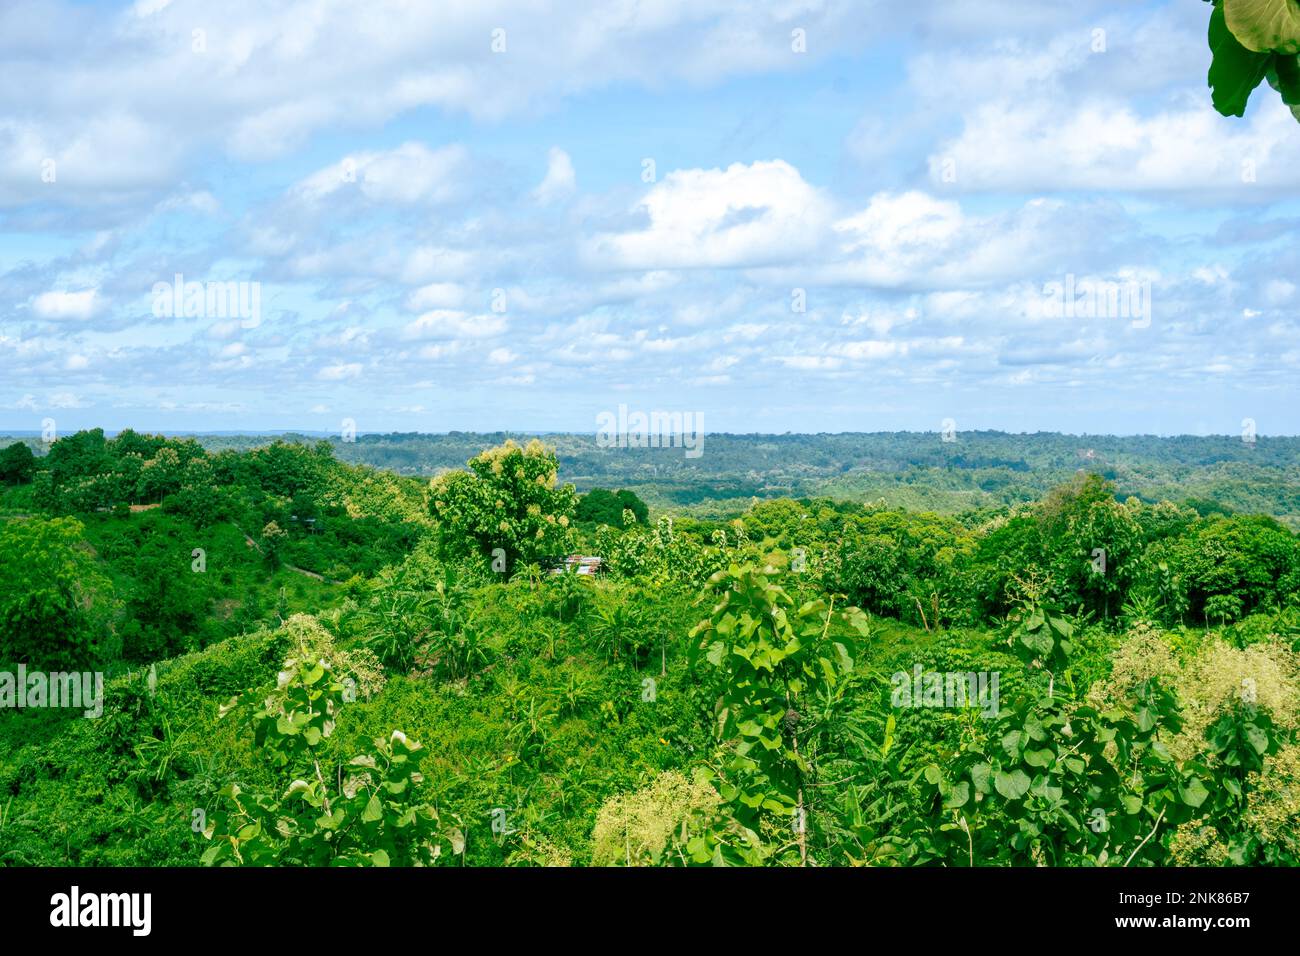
(978, 471)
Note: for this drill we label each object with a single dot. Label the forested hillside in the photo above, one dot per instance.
(915, 470)
(308, 661)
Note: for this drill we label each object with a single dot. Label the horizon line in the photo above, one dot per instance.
(335, 435)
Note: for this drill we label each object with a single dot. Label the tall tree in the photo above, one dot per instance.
(508, 499)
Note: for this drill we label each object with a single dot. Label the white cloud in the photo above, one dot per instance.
(410, 174)
(267, 78)
(436, 295)
(742, 215)
(340, 372)
(68, 305)
(1046, 145)
(453, 324)
(427, 264)
(868, 349)
(560, 181)
(895, 235)
(91, 159)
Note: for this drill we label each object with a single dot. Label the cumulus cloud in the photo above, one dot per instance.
(257, 82)
(408, 201)
(58, 305)
(1110, 146)
(752, 214)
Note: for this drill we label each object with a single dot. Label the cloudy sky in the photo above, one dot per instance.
(796, 215)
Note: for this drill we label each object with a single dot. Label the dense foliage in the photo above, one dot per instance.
(976, 470)
(1081, 677)
(1253, 41)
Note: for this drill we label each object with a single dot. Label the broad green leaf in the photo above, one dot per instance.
(1039, 642)
(1264, 25)
(1039, 758)
(1012, 742)
(1012, 785)
(1284, 76)
(1146, 719)
(1257, 738)
(1194, 793)
(1234, 71)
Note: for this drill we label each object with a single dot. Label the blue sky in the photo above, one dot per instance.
(667, 205)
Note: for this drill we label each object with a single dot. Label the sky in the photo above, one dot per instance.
(784, 216)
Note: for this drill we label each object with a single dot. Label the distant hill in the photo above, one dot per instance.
(918, 470)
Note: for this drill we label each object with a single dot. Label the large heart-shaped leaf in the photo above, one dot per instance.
(1013, 785)
(1235, 71)
(1265, 25)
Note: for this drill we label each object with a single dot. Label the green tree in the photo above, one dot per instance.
(768, 658)
(84, 454)
(602, 506)
(274, 539)
(1089, 543)
(508, 499)
(17, 464)
(1242, 561)
(55, 604)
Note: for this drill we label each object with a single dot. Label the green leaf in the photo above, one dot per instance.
(957, 796)
(1194, 793)
(1284, 76)
(1146, 719)
(1039, 758)
(285, 725)
(1039, 642)
(1062, 626)
(1264, 25)
(1235, 71)
(1043, 788)
(1012, 785)
(1257, 738)
(1011, 743)
(374, 810)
